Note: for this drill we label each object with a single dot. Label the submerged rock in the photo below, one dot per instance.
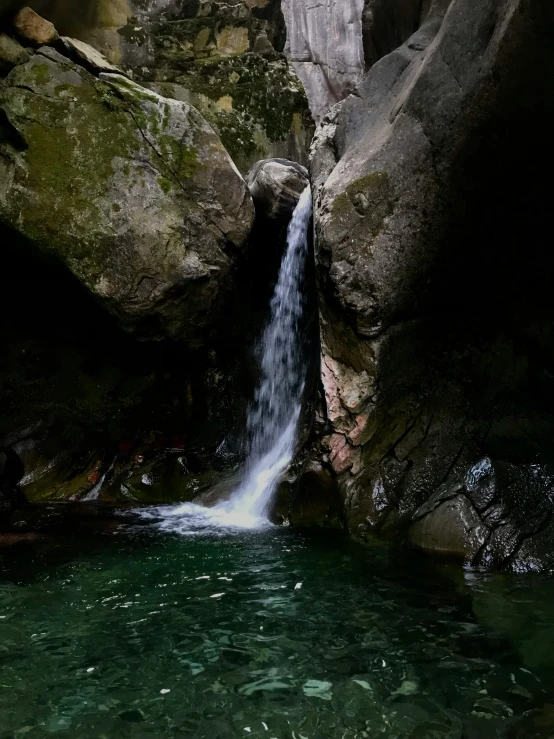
(276, 186)
(133, 192)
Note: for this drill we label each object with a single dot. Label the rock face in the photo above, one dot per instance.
(332, 43)
(133, 192)
(11, 54)
(222, 57)
(386, 24)
(431, 269)
(11, 474)
(276, 186)
(325, 46)
(494, 514)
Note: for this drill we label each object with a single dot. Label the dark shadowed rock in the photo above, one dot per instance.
(436, 325)
(494, 514)
(387, 24)
(315, 500)
(11, 474)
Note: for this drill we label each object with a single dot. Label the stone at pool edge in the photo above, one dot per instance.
(32, 27)
(491, 514)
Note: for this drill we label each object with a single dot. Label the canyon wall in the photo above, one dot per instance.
(437, 414)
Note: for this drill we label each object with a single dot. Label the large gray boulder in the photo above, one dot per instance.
(276, 186)
(133, 192)
(436, 322)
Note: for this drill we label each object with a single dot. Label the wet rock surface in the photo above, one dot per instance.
(496, 514)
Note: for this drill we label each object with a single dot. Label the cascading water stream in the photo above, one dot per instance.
(273, 416)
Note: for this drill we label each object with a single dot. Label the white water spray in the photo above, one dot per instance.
(275, 412)
(273, 416)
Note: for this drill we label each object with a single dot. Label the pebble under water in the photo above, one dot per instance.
(130, 630)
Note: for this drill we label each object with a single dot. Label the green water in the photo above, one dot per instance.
(128, 631)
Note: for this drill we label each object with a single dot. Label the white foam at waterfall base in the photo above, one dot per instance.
(274, 414)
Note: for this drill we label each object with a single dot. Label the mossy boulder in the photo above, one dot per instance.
(223, 57)
(133, 192)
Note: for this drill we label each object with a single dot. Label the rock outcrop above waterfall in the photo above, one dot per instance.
(325, 47)
(223, 57)
(436, 325)
(32, 28)
(276, 186)
(133, 192)
(330, 44)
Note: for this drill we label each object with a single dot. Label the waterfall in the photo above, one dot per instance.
(94, 494)
(275, 412)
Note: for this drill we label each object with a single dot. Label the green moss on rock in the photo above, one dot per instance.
(265, 104)
(165, 184)
(367, 201)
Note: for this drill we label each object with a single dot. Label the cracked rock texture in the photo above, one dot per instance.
(492, 514)
(133, 192)
(433, 281)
